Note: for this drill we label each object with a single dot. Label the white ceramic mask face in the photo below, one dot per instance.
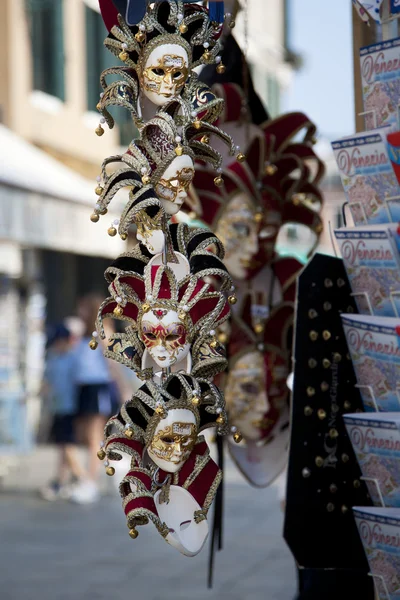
(154, 240)
(164, 336)
(173, 440)
(237, 230)
(173, 185)
(187, 536)
(165, 73)
(246, 396)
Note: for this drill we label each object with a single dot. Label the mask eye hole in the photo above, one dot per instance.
(168, 440)
(184, 525)
(172, 337)
(177, 75)
(249, 388)
(150, 336)
(241, 229)
(159, 72)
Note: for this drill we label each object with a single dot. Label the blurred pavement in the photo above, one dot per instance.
(59, 551)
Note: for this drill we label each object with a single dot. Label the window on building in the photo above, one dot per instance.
(99, 58)
(47, 41)
(273, 94)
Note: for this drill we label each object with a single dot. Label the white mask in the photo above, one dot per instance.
(237, 230)
(165, 336)
(187, 536)
(174, 183)
(173, 440)
(246, 396)
(165, 73)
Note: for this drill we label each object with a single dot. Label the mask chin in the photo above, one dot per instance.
(155, 98)
(186, 536)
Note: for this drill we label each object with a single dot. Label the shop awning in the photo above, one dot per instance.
(45, 204)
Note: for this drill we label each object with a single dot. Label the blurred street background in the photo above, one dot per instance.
(51, 256)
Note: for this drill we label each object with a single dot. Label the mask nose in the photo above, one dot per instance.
(178, 447)
(168, 79)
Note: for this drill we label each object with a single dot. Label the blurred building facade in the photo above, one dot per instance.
(263, 32)
(51, 57)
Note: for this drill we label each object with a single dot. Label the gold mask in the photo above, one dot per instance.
(168, 189)
(174, 443)
(166, 78)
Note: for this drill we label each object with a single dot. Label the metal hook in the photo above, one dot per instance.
(160, 485)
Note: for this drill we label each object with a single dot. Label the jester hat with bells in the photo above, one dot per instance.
(200, 308)
(132, 432)
(142, 166)
(164, 23)
(193, 243)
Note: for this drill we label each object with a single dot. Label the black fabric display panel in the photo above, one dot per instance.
(235, 65)
(323, 474)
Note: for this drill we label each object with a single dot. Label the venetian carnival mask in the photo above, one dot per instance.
(173, 440)
(246, 396)
(165, 73)
(173, 186)
(164, 336)
(237, 229)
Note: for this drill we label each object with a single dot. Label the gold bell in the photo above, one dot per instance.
(159, 410)
(123, 56)
(133, 533)
(222, 338)
(270, 169)
(112, 231)
(219, 182)
(110, 471)
(258, 217)
(99, 130)
(183, 28)
(310, 391)
(93, 344)
(179, 150)
(118, 311)
(103, 211)
(259, 328)
(333, 434)
(101, 454)
(321, 414)
(319, 461)
(207, 56)
(326, 335)
(182, 315)
(195, 400)
(313, 335)
(129, 432)
(214, 344)
(326, 363)
(124, 236)
(145, 307)
(220, 420)
(241, 157)
(140, 36)
(197, 124)
(98, 190)
(221, 69)
(308, 411)
(205, 139)
(347, 405)
(94, 217)
(232, 299)
(237, 437)
(146, 180)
